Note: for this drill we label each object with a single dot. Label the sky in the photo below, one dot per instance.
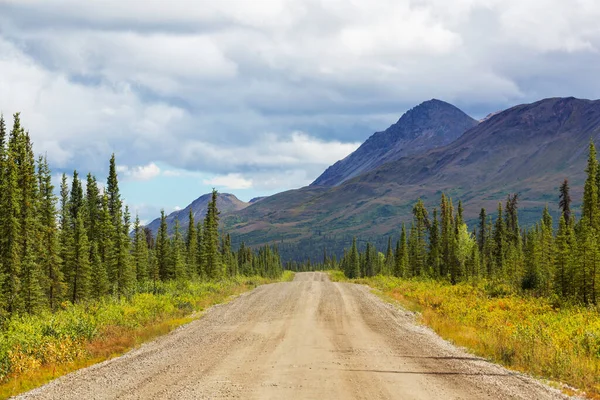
(257, 97)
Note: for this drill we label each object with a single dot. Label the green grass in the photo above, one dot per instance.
(527, 334)
(35, 349)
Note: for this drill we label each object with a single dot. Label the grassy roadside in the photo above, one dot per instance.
(527, 334)
(37, 349)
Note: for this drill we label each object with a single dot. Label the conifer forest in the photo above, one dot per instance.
(82, 245)
(552, 259)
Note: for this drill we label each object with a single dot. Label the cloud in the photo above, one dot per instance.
(139, 173)
(271, 92)
(229, 181)
(268, 152)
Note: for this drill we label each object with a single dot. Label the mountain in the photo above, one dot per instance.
(255, 199)
(528, 149)
(225, 202)
(431, 124)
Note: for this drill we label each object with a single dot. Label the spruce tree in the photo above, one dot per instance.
(546, 251)
(93, 207)
(191, 246)
(114, 197)
(389, 258)
(369, 261)
(11, 239)
(353, 262)
(213, 261)
(401, 265)
(435, 247)
(200, 253)
(482, 229)
(49, 245)
(76, 200)
(447, 235)
(99, 285)
(565, 201)
(80, 274)
(162, 249)
(140, 251)
(562, 277)
(125, 273)
(499, 241)
(105, 250)
(32, 277)
(66, 232)
(421, 224)
(589, 210)
(531, 279)
(177, 260)
(413, 252)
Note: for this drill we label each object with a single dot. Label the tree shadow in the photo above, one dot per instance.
(379, 371)
(446, 358)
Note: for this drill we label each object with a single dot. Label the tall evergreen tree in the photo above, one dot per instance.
(353, 270)
(162, 249)
(421, 224)
(590, 210)
(93, 207)
(49, 246)
(79, 268)
(435, 247)
(389, 258)
(11, 222)
(32, 277)
(191, 246)
(114, 196)
(105, 249)
(99, 285)
(177, 260)
(565, 201)
(482, 229)
(66, 232)
(210, 240)
(563, 273)
(499, 240)
(140, 251)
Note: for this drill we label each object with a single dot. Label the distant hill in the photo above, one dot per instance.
(431, 124)
(527, 149)
(225, 202)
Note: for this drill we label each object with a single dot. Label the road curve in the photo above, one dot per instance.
(306, 339)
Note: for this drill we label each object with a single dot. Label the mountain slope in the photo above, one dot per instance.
(527, 149)
(225, 202)
(431, 124)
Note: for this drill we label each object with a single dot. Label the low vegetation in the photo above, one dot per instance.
(527, 298)
(529, 334)
(77, 285)
(37, 348)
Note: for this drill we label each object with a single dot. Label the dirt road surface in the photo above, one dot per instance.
(306, 339)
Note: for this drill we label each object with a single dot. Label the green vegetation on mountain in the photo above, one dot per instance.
(527, 149)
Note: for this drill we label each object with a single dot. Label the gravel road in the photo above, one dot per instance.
(306, 339)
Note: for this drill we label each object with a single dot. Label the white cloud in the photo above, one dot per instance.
(269, 93)
(229, 181)
(271, 151)
(139, 173)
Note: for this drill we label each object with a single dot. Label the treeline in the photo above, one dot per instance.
(541, 260)
(82, 248)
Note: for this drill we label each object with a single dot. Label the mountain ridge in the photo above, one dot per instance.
(528, 148)
(226, 202)
(431, 124)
